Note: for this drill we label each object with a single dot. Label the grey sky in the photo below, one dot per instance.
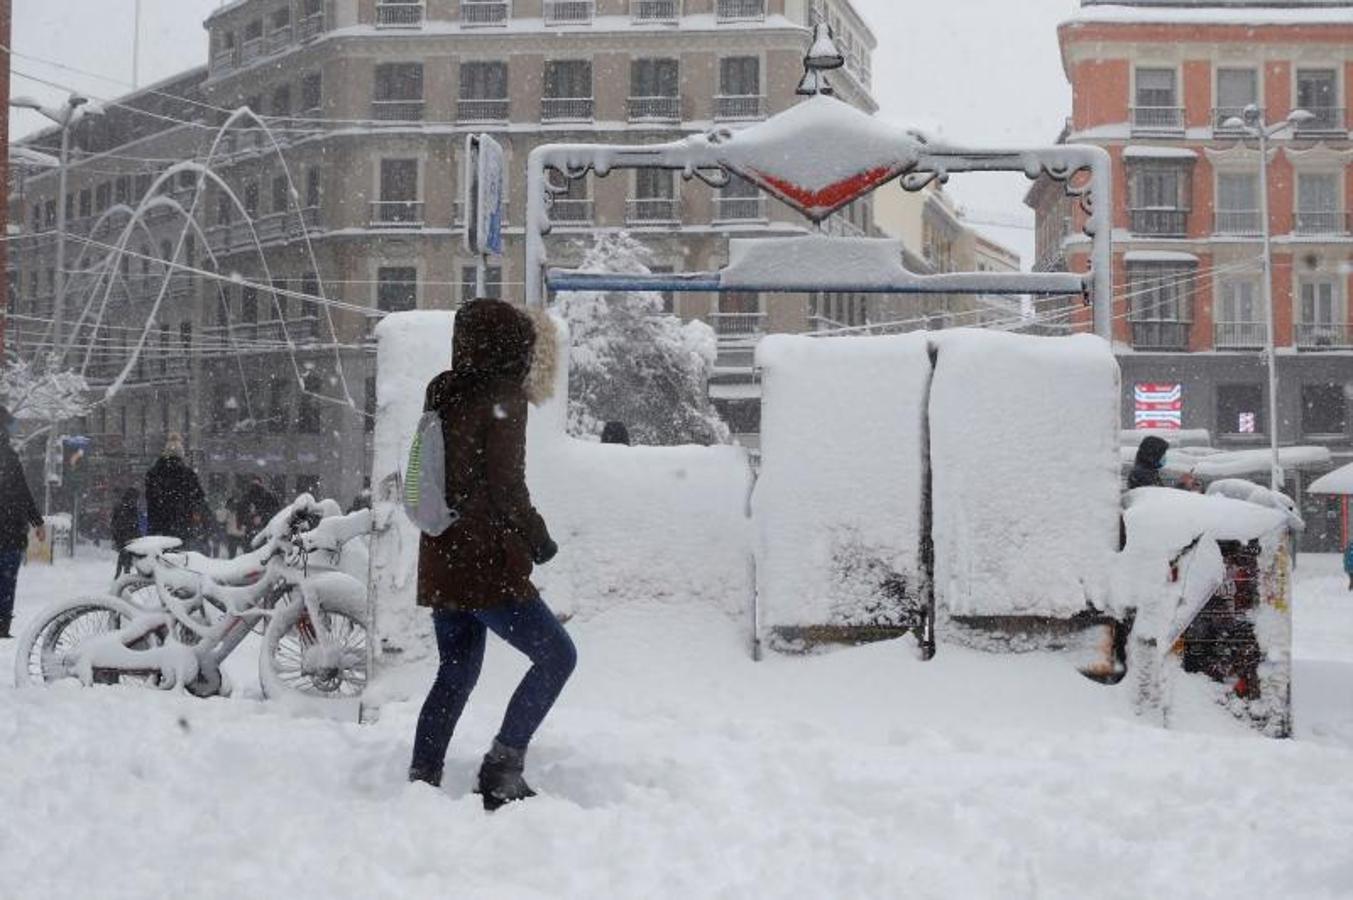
(982, 71)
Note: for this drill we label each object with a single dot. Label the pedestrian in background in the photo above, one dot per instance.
(1150, 460)
(125, 527)
(18, 512)
(176, 506)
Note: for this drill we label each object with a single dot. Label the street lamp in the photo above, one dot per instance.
(1251, 121)
(64, 116)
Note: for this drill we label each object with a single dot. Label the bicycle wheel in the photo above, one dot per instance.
(325, 660)
(49, 647)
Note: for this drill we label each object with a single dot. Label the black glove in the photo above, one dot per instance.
(545, 552)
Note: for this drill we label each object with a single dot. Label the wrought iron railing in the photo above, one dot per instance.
(252, 49)
(738, 326)
(566, 109)
(663, 109)
(1161, 335)
(1221, 115)
(1160, 222)
(399, 14)
(484, 12)
(569, 12)
(397, 213)
(655, 10)
(1245, 222)
(742, 106)
(566, 209)
(1157, 118)
(1325, 120)
(397, 110)
(653, 211)
(737, 10)
(1239, 335)
(740, 209)
(310, 26)
(1324, 335)
(279, 39)
(1321, 222)
(482, 110)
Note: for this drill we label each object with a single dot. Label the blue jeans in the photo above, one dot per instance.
(9, 579)
(529, 627)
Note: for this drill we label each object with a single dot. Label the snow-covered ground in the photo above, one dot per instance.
(676, 767)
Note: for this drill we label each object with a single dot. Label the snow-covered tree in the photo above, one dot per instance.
(631, 362)
(32, 392)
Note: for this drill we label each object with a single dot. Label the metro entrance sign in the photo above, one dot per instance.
(818, 157)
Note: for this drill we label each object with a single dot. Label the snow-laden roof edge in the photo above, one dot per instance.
(1177, 256)
(1155, 15)
(1138, 151)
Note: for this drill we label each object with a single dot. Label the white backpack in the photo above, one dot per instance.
(425, 478)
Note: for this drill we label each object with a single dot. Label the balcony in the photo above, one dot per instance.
(655, 109)
(484, 12)
(397, 110)
(223, 63)
(482, 110)
(1160, 222)
(566, 210)
(1324, 335)
(569, 12)
(399, 14)
(1223, 114)
(252, 49)
(731, 108)
(1157, 119)
(740, 10)
(667, 11)
(1160, 335)
(1239, 335)
(1328, 120)
(740, 209)
(1242, 222)
(311, 26)
(272, 228)
(653, 211)
(396, 213)
(1332, 223)
(566, 109)
(279, 39)
(738, 326)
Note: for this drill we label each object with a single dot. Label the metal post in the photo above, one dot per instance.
(1275, 473)
(136, 46)
(59, 300)
(481, 275)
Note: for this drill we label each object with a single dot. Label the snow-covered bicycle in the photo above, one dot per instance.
(181, 615)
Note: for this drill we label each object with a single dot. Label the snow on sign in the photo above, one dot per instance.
(485, 188)
(1158, 406)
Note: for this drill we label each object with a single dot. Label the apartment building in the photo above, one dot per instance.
(1162, 87)
(353, 190)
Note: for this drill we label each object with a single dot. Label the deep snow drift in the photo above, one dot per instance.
(676, 767)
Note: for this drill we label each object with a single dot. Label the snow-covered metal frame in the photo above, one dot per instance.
(817, 157)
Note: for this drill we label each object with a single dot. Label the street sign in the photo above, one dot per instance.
(485, 188)
(51, 464)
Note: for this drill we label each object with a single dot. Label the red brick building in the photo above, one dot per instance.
(1159, 85)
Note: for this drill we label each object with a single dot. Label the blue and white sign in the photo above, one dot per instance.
(485, 196)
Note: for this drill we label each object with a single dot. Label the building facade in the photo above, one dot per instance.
(347, 205)
(1162, 87)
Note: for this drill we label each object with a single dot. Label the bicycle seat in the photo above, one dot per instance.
(242, 570)
(153, 545)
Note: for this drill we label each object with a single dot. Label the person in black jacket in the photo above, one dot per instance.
(256, 509)
(1150, 459)
(18, 512)
(175, 503)
(126, 527)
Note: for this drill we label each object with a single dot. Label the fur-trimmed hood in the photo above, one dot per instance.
(494, 339)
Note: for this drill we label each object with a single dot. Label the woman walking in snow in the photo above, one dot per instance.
(476, 576)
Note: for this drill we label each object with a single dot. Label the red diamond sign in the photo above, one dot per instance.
(821, 155)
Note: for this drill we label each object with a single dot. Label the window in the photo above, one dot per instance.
(224, 209)
(1238, 203)
(1238, 304)
(312, 90)
(281, 18)
(281, 101)
(251, 199)
(143, 185)
(253, 30)
(281, 194)
(103, 197)
(1155, 88)
(396, 288)
(122, 189)
(1318, 94)
(654, 78)
(1318, 203)
(186, 337)
(493, 283)
(249, 303)
(399, 81)
(653, 184)
(1160, 292)
(281, 302)
(279, 404)
(1318, 322)
(740, 76)
(86, 203)
(70, 206)
(49, 214)
(1159, 196)
(570, 78)
(1324, 409)
(1240, 409)
(312, 178)
(483, 91)
(1236, 89)
(399, 192)
(308, 411)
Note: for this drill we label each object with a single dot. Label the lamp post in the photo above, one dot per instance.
(1251, 121)
(64, 116)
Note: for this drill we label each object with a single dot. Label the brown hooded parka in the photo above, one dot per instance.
(485, 559)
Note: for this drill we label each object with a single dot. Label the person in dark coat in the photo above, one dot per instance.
(476, 576)
(18, 513)
(126, 527)
(1150, 459)
(615, 433)
(256, 508)
(176, 506)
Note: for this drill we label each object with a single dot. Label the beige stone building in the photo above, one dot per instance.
(352, 194)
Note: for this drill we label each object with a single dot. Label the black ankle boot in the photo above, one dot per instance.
(500, 777)
(4, 629)
(427, 776)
